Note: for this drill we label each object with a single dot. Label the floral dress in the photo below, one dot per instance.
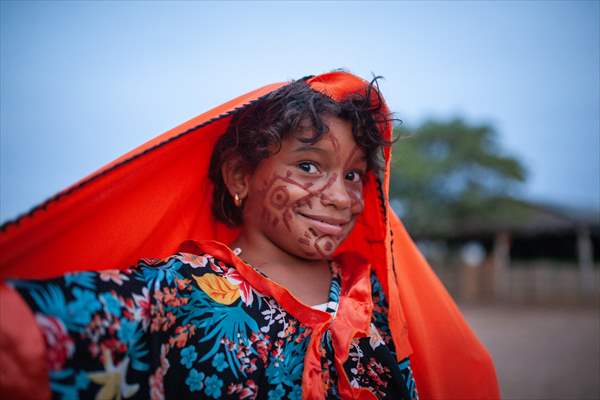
(190, 326)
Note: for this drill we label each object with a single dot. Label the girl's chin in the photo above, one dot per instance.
(323, 250)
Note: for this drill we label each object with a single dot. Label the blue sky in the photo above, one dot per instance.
(83, 82)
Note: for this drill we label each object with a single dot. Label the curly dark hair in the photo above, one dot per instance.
(256, 132)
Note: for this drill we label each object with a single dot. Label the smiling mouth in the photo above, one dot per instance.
(325, 224)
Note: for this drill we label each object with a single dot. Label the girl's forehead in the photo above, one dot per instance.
(338, 133)
(334, 145)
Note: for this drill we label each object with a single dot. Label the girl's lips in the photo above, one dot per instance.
(326, 225)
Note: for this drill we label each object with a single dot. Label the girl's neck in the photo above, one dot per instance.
(308, 280)
(260, 252)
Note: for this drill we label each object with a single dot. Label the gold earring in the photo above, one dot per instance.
(237, 201)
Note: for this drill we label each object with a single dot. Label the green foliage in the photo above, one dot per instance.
(446, 173)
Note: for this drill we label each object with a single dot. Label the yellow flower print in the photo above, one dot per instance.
(218, 288)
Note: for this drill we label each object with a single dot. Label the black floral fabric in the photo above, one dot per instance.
(190, 326)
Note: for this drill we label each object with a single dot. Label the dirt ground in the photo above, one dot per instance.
(541, 353)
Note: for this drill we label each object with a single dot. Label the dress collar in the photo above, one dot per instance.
(352, 320)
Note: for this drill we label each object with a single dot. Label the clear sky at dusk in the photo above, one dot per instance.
(83, 82)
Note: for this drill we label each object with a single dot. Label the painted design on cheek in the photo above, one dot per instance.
(279, 197)
(306, 241)
(324, 245)
(320, 193)
(278, 208)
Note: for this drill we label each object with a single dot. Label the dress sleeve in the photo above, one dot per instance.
(84, 330)
(24, 373)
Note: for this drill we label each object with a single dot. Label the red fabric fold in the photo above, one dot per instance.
(450, 362)
(353, 318)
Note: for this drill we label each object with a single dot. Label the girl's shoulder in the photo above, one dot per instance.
(149, 272)
(77, 298)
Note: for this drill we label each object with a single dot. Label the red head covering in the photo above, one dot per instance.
(153, 198)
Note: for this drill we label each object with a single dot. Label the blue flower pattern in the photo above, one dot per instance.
(219, 362)
(194, 380)
(212, 386)
(188, 356)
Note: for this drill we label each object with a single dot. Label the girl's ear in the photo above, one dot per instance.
(236, 178)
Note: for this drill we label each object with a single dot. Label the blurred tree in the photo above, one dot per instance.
(447, 173)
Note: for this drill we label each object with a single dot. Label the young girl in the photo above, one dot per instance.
(283, 272)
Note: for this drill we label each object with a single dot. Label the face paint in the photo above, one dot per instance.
(282, 208)
(305, 199)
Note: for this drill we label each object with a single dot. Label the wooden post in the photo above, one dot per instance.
(502, 250)
(585, 258)
(501, 264)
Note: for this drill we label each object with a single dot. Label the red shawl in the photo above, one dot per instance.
(150, 200)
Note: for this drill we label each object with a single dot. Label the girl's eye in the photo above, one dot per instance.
(353, 176)
(308, 167)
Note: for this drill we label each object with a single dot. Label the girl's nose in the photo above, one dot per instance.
(336, 194)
